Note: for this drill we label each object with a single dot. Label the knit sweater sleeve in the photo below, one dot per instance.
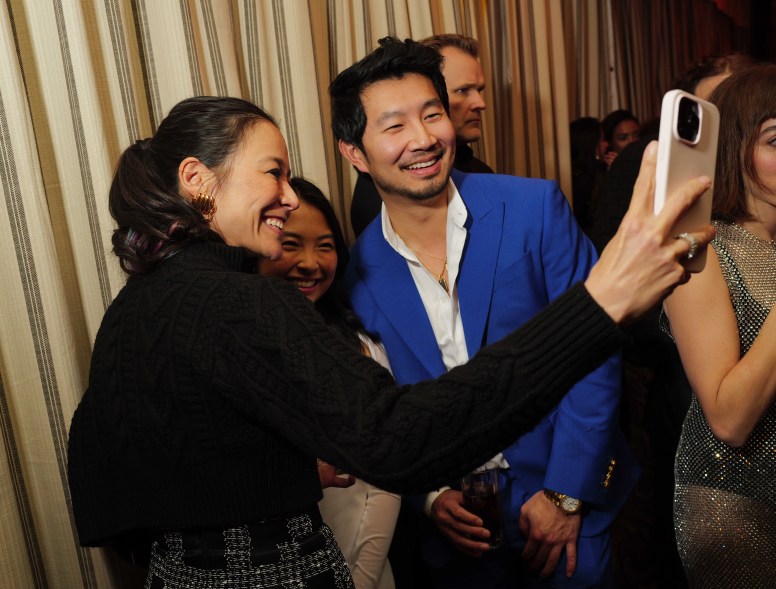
(281, 365)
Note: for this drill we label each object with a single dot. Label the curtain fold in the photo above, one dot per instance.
(80, 80)
(43, 344)
(527, 123)
(629, 52)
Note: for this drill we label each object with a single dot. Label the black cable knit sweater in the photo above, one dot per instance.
(213, 389)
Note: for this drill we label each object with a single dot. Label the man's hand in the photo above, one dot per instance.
(548, 531)
(327, 473)
(461, 527)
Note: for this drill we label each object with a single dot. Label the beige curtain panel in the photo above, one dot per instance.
(80, 80)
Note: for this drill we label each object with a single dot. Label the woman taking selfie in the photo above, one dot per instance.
(212, 389)
(725, 501)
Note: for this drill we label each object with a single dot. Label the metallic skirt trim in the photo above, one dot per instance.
(298, 552)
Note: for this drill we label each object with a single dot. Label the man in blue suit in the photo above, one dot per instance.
(454, 262)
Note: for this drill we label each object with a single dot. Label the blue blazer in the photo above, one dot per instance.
(523, 250)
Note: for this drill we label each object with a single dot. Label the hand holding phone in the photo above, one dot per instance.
(687, 148)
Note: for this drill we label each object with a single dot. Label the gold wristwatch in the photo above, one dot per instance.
(569, 505)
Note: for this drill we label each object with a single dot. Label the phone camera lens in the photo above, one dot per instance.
(688, 121)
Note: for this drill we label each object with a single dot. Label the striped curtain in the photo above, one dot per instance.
(629, 52)
(80, 80)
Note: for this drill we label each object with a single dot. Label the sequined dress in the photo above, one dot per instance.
(725, 500)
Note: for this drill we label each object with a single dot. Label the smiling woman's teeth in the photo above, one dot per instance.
(275, 223)
(304, 283)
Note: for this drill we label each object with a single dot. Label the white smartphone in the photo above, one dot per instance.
(687, 148)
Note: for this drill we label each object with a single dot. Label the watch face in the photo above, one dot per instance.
(570, 504)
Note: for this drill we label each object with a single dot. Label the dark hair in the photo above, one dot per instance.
(333, 304)
(466, 44)
(711, 66)
(584, 135)
(586, 170)
(613, 119)
(745, 101)
(154, 220)
(393, 59)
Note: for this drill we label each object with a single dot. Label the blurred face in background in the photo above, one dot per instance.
(465, 86)
(624, 134)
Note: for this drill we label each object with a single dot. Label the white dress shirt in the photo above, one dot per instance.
(441, 307)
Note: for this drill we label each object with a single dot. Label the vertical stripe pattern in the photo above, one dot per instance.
(193, 60)
(211, 33)
(147, 61)
(10, 186)
(252, 52)
(286, 85)
(83, 156)
(122, 68)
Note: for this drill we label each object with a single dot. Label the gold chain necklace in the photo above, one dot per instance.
(440, 278)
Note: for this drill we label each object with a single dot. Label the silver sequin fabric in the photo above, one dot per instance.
(307, 557)
(725, 500)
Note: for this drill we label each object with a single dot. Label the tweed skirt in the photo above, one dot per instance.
(296, 552)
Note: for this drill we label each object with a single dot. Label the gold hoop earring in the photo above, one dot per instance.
(204, 203)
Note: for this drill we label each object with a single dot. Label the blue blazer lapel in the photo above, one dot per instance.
(390, 283)
(477, 273)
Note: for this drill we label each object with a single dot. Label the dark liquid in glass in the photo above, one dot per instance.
(483, 502)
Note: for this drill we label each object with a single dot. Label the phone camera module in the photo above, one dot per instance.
(688, 121)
